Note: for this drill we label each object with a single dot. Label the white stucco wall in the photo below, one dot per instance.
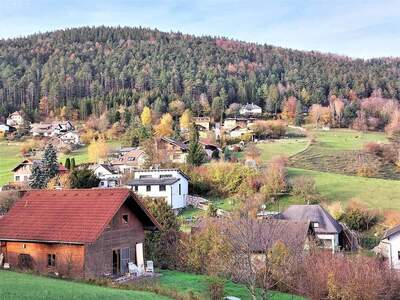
(393, 245)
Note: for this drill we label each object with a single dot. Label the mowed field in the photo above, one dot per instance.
(10, 157)
(376, 193)
(15, 286)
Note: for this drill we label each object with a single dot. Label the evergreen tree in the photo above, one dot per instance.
(38, 179)
(83, 179)
(68, 163)
(196, 155)
(50, 163)
(298, 117)
(72, 163)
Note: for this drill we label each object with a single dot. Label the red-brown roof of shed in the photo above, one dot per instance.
(67, 216)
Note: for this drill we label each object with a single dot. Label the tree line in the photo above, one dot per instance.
(92, 69)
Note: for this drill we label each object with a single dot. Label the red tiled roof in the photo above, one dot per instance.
(67, 216)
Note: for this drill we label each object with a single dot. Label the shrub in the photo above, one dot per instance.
(373, 148)
(216, 288)
(367, 170)
(358, 217)
(303, 187)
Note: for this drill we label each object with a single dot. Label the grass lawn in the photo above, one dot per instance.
(286, 147)
(376, 193)
(9, 158)
(198, 284)
(16, 286)
(346, 139)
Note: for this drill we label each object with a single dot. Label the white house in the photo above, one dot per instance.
(170, 184)
(326, 228)
(7, 128)
(389, 247)
(15, 119)
(51, 129)
(250, 109)
(107, 175)
(70, 137)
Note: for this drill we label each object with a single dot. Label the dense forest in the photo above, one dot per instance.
(92, 70)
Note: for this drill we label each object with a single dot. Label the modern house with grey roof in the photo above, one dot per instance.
(250, 109)
(326, 228)
(169, 184)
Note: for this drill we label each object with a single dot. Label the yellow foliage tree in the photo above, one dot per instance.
(146, 116)
(185, 120)
(98, 149)
(164, 128)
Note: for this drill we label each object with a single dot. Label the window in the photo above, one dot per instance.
(180, 190)
(148, 188)
(16, 178)
(162, 187)
(136, 188)
(125, 219)
(144, 176)
(102, 183)
(398, 255)
(51, 260)
(315, 224)
(166, 176)
(131, 158)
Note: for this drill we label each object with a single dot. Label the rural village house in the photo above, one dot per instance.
(15, 119)
(7, 128)
(52, 128)
(23, 171)
(172, 150)
(169, 184)
(78, 233)
(108, 175)
(250, 109)
(326, 228)
(130, 160)
(389, 247)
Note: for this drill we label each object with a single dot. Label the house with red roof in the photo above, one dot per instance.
(76, 233)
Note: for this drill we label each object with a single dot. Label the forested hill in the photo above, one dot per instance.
(93, 68)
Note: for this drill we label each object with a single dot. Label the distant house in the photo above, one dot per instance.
(81, 233)
(172, 150)
(250, 109)
(389, 247)
(130, 160)
(71, 138)
(51, 129)
(169, 184)
(108, 175)
(237, 132)
(242, 122)
(202, 123)
(326, 228)
(23, 171)
(209, 147)
(15, 119)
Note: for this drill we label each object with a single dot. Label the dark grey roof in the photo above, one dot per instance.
(251, 106)
(175, 142)
(313, 213)
(391, 231)
(109, 168)
(161, 170)
(153, 181)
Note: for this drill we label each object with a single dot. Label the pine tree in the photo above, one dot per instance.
(50, 162)
(196, 155)
(68, 163)
(38, 179)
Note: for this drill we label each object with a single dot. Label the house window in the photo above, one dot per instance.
(148, 188)
(315, 224)
(144, 176)
(165, 175)
(125, 219)
(51, 260)
(136, 188)
(162, 187)
(398, 255)
(102, 183)
(16, 178)
(180, 189)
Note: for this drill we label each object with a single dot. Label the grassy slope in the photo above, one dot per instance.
(285, 147)
(186, 282)
(25, 286)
